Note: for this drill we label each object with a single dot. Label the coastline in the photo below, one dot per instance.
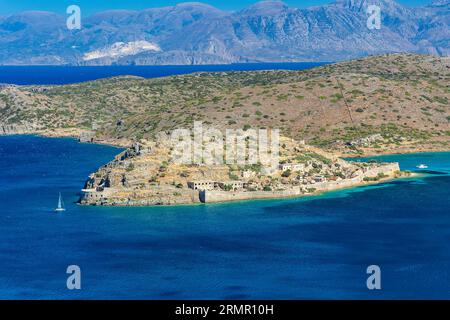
(75, 133)
(243, 196)
(71, 133)
(412, 175)
(370, 154)
(306, 196)
(240, 229)
(164, 195)
(223, 196)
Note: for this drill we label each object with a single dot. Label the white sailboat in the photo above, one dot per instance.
(60, 207)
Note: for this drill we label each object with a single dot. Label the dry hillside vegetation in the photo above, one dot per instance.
(402, 97)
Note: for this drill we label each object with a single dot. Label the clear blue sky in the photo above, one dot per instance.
(90, 6)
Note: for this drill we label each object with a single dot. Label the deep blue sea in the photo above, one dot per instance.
(41, 75)
(317, 247)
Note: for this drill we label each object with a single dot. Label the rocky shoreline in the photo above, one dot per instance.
(163, 198)
(144, 176)
(91, 198)
(220, 196)
(166, 195)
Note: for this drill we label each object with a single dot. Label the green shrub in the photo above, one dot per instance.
(286, 173)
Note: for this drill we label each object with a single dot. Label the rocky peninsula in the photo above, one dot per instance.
(396, 103)
(144, 175)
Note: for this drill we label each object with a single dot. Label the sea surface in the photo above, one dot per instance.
(42, 75)
(315, 248)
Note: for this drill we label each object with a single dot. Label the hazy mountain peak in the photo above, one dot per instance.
(116, 12)
(268, 7)
(269, 3)
(196, 6)
(111, 15)
(197, 33)
(35, 17)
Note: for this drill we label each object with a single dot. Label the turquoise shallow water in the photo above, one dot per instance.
(315, 247)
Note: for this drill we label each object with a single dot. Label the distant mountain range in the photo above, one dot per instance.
(195, 33)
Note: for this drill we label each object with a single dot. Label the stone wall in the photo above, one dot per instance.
(169, 195)
(154, 197)
(224, 196)
(389, 169)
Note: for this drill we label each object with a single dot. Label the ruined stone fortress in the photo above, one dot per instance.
(209, 195)
(143, 175)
